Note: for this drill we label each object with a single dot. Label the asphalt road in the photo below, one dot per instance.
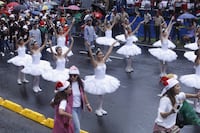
(131, 109)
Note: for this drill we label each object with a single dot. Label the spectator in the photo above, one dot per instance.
(158, 20)
(147, 30)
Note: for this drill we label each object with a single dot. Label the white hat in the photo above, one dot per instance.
(25, 27)
(74, 70)
(61, 86)
(12, 16)
(168, 85)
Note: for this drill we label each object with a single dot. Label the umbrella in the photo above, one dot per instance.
(11, 5)
(73, 7)
(45, 7)
(19, 8)
(35, 13)
(186, 15)
(100, 8)
(53, 3)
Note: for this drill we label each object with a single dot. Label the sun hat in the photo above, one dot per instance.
(74, 70)
(168, 85)
(61, 86)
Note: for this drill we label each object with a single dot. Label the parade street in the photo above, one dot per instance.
(131, 109)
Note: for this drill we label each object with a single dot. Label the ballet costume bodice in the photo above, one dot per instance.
(108, 33)
(36, 58)
(197, 70)
(100, 71)
(60, 64)
(61, 41)
(129, 40)
(21, 51)
(164, 44)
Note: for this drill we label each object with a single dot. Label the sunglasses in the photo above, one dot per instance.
(73, 75)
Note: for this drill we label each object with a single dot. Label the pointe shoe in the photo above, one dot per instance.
(35, 89)
(98, 112)
(25, 81)
(103, 112)
(19, 82)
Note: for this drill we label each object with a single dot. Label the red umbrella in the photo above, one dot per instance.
(11, 5)
(73, 7)
(98, 15)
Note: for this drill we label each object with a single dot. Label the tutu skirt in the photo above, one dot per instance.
(21, 60)
(191, 80)
(163, 54)
(123, 39)
(192, 46)
(56, 75)
(64, 50)
(108, 41)
(129, 50)
(95, 86)
(190, 55)
(37, 69)
(159, 44)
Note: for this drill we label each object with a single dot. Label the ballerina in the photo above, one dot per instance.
(37, 67)
(193, 80)
(100, 83)
(107, 39)
(164, 54)
(21, 60)
(130, 49)
(61, 39)
(126, 24)
(60, 73)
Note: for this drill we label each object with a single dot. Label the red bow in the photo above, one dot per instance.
(59, 84)
(163, 80)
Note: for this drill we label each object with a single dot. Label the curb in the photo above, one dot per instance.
(28, 113)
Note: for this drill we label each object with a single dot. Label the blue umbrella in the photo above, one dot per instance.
(186, 15)
(35, 13)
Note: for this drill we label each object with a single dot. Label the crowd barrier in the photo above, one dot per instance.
(28, 113)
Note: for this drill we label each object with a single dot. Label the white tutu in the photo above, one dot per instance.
(96, 86)
(21, 60)
(56, 75)
(123, 39)
(163, 54)
(106, 41)
(191, 80)
(192, 46)
(129, 50)
(64, 50)
(100, 83)
(190, 55)
(37, 69)
(159, 44)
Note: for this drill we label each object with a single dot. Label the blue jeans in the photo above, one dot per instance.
(76, 112)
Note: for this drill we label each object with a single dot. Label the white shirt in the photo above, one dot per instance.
(76, 94)
(166, 106)
(63, 104)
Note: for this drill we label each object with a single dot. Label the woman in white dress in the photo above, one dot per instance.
(37, 67)
(164, 54)
(60, 73)
(21, 59)
(130, 49)
(100, 83)
(61, 39)
(193, 80)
